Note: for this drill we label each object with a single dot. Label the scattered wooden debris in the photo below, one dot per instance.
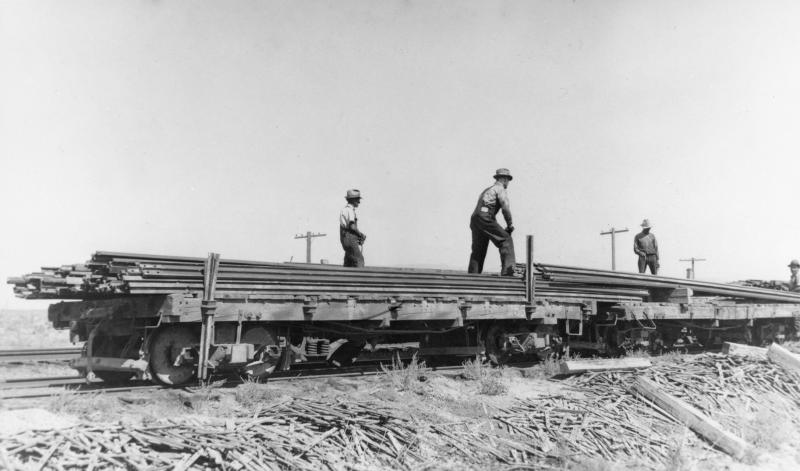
(299, 433)
(570, 367)
(730, 348)
(692, 418)
(616, 428)
(784, 358)
(304, 434)
(725, 387)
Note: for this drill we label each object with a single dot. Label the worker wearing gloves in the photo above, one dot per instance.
(352, 239)
(646, 247)
(485, 228)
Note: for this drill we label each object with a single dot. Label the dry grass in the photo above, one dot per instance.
(636, 353)
(680, 456)
(670, 356)
(253, 395)
(210, 400)
(492, 385)
(766, 429)
(411, 377)
(96, 407)
(473, 369)
(551, 366)
(592, 464)
(490, 380)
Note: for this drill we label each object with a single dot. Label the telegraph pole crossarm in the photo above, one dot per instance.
(692, 260)
(308, 236)
(613, 232)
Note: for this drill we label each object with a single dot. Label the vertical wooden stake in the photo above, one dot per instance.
(530, 280)
(208, 308)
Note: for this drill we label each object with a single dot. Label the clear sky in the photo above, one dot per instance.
(184, 127)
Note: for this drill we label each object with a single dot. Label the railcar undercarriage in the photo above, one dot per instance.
(158, 336)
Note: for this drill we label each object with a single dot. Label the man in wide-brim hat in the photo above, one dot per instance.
(349, 234)
(794, 267)
(646, 247)
(485, 228)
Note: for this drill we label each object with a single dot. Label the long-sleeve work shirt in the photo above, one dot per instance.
(793, 284)
(645, 244)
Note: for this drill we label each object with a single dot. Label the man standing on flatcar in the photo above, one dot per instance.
(485, 228)
(646, 247)
(351, 238)
(794, 283)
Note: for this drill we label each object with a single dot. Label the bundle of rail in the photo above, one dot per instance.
(115, 273)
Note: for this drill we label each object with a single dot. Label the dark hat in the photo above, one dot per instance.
(353, 194)
(503, 172)
(793, 263)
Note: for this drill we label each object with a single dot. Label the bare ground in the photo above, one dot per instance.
(478, 418)
(457, 419)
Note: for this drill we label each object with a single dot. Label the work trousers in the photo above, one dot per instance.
(648, 261)
(796, 317)
(484, 229)
(352, 249)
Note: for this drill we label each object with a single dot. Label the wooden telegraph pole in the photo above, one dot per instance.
(308, 235)
(613, 233)
(693, 259)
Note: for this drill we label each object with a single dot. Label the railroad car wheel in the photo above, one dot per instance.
(268, 352)
(165, 348)
(498, 350)
(259, 336)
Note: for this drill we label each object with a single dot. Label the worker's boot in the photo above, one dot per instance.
(507, 258)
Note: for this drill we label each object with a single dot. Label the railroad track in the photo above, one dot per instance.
(39, 354)
(44, 382)
(31, 388)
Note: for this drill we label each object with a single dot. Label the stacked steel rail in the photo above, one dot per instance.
(112, 274)
(613, 279)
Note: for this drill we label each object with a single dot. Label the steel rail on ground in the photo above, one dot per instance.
(31, 388)
(39, 354)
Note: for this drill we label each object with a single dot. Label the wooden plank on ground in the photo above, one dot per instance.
(701, 424)
(571, 367)
(730, 348)
(784, 358)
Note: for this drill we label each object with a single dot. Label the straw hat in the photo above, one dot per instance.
(503, 172)
(353, 194)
